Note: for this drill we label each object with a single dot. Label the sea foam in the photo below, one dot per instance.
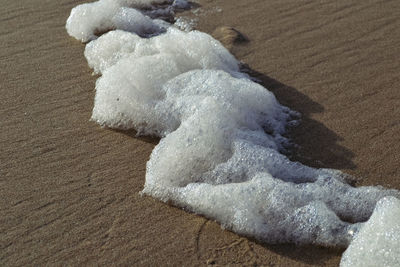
(222, 135)
(378, 242)
(88, 20)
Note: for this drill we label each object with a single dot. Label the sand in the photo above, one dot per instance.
(70, 189)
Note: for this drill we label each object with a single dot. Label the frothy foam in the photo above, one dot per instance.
(378, 242)
(88, 20)
(222, 134)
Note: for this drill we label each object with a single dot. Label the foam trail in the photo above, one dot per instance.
(221, 134)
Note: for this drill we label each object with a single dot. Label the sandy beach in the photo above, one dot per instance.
(70, 189)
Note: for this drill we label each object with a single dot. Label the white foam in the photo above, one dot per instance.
(135, 69)
(222, 134)
(219, 162)
(88, 20)
(132, 20)
(378, 242)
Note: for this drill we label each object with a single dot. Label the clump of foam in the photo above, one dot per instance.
(193, 50)
(132, 20)
(222, 134)
(88, 20)
(220, 162)
(135, 69)
(378, 241)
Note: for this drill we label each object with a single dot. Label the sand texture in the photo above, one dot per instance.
(70, 189)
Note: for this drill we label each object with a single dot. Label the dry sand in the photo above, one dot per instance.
(70, 190)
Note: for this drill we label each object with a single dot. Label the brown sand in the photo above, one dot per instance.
(70, 190)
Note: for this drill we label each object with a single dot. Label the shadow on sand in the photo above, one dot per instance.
(315, 144)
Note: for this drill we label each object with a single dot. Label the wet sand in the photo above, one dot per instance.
(70, 189)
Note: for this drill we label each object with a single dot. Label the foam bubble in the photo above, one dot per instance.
(378, 242)
(222, 134)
